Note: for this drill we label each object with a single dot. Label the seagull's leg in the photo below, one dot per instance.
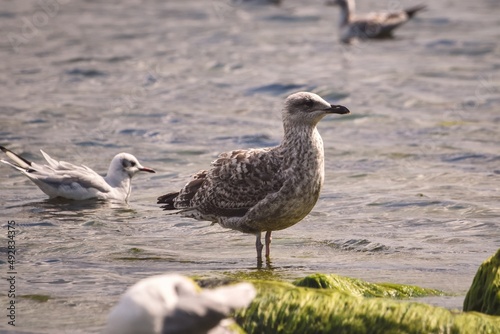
(259, 246)
(269, 265)
(268, 244)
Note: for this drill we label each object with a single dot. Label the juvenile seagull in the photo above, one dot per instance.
(373, 25)
(62, 179)
(173, 304)
(264, 189)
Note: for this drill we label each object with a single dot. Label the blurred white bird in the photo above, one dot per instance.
(372, 25)
(174, 304)
(62, 179)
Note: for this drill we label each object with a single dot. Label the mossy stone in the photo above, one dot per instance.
(357, 287)
(35, 297)
(284, 308)
(484, 293)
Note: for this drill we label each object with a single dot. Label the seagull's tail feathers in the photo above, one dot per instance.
(19, 162)
(22, 170)
(413, 10)
(168, 200)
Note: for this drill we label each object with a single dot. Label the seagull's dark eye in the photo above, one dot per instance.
(127, 163)
(309, 103)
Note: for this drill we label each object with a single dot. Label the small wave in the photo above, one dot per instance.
(91, 143)
(473, 157)
(277, 89)
(402, 204)
(454, 47)
(258, 140)
(74, 60)
(7, 15)
(359, 245)
(293, 19)
(139, 133)
(90, 72)
(45, 224)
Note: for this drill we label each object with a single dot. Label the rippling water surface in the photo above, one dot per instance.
(412, 175)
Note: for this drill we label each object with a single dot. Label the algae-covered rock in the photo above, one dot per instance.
(36, 297)
(285, 308)
(484, 294)
(358, 287)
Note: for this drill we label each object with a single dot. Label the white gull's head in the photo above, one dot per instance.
(125, 165)
(144, 305)
(308, 108)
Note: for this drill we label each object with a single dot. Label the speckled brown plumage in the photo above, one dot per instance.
(264, 189)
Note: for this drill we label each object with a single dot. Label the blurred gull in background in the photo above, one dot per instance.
(372, 25)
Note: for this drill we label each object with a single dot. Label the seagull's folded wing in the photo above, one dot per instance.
(237, 181)
(81, 178)
(394, 19)
(387, 19)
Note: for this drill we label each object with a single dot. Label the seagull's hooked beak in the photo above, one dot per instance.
(338, 109)
(145, 169)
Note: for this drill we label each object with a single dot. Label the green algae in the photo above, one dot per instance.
(36, 297)
(357, 287)
(484, 293)
(408, 291)
(261, 274)
(135, 250)
(284, 308)
(321, 303)
(234, 328)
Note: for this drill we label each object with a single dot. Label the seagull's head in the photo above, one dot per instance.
(146, 306)
(127, 165)
(309, 108)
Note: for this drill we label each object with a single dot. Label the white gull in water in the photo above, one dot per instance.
(62, 179)
(264, 189)
(173, 304)
(372, 25)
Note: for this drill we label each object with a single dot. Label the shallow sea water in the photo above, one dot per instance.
(412, 175)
